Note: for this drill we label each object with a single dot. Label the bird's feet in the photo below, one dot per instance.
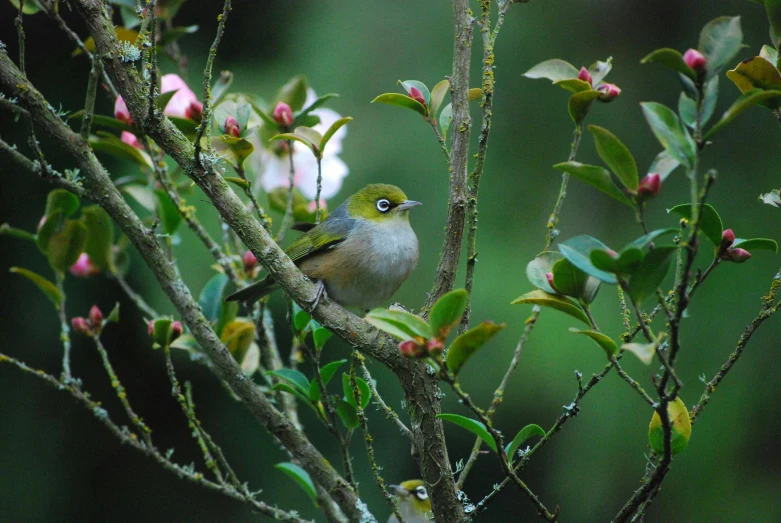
(319, 293)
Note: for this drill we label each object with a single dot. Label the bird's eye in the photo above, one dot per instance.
(421, 493)
(383, 205)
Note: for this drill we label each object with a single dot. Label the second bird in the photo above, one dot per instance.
(362, 252)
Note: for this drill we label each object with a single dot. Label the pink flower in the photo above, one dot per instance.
(737, 255)
(83, 267)
(417, 95)
(609, 92)
(584, 75)
(131, 139)
(121, 111)
(232, 127)
(283, 115)
(650, 186)
(695, 60)
(412, 349)
(184, 104)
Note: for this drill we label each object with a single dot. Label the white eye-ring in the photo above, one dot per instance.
(421, 493)
(383, 205)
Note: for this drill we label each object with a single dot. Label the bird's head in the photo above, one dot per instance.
(380, 202)
(412, 493)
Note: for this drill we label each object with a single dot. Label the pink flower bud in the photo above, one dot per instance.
(738, 255)
(95, 317)
(83, 267)
(131, 139)
(121, 111)
(650, 186)
(283, 114)
(150, 327)
(176, 330)
(727, 239)
(549, 277)
(417, 95)
(584, 75)
(435, 346)
(695, 60)
(194, 111)
(250, 261)
(609, 92)
(232, 127)
(612, 253)
(81, 326)
(412, 349)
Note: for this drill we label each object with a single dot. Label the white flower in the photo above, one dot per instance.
(273, 165)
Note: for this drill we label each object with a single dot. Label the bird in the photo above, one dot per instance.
(359, 255)
(414, 504)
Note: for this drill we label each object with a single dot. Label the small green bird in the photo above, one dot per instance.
(414, 504)
(360, 254)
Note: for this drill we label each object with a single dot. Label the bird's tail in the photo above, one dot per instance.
(254, 292)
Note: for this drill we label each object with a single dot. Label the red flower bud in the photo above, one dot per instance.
(81, 326)
(727, 239)
(83, 268)
(283, 114)
(412, 349)
(650, 186)
(695, 60)
(231, 127)
(549, 277)
(609, 92)
(435, 346)
(584, 75)
(194, 111)
(738, 255)
(417, 95)
(121, 111)
(250, 261)
(95, 317)
(176, 330)
(150, 328)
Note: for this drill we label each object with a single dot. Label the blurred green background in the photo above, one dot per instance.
(57, 463)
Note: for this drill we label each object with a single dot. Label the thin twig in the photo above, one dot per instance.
(64, 332)
(20, 32)
(287, 221)
(389, 412)
(553, 220)
(89, 104)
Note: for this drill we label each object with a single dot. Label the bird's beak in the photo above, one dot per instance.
(408, 204)
(400, 491)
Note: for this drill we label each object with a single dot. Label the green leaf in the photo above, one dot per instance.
(578, 250)
(772, 198)
(227, 313)
(554, 70)
(113, 146)
(239, 148)
(447, 312)
(53, 224)
(644, 240)
(293, 93)
(326, 373)
(597, 177)
(599, 70)
(47, 287)
(332, 130)
(539, 267)
(210, 299)
(560, 303)
(756, 73)
(347, 414)
(402, 100)
(162, 332)
(769, 53)
(438, 94)
(663, 165)
(741, 104)
(445, 117)
(301, 318)
(143, 195)
(579, 105)
(30, 7)
(644, 351)
(670, 132)
(301, 477)
(756, 244)
(466, 344)
(720, 40)
(407, 84)
(65, 246)
(175, 33)
(13, 232)
(571, 281)
(113, 316)
(100, 236)
(188, 127)
(320, 335)
(400, 324)
(616, 156)
(293, 377)
(603, 340)
(302, 117)
(604, 261)
(241, 182)
(669, 58)
(103, 121)
(170, 217)
(306, 136)
(473, 94)
(650, 274)
(574, 85)
(529, 431)
(238, 336)
(681, 428)
(710, 221)
(164, 98)
(709, 100)
(363, 387)
(63, 201)
(284, 387)
(221, 86)
(687, 110)
(472, 425)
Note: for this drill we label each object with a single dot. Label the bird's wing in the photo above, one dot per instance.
(332, 231)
